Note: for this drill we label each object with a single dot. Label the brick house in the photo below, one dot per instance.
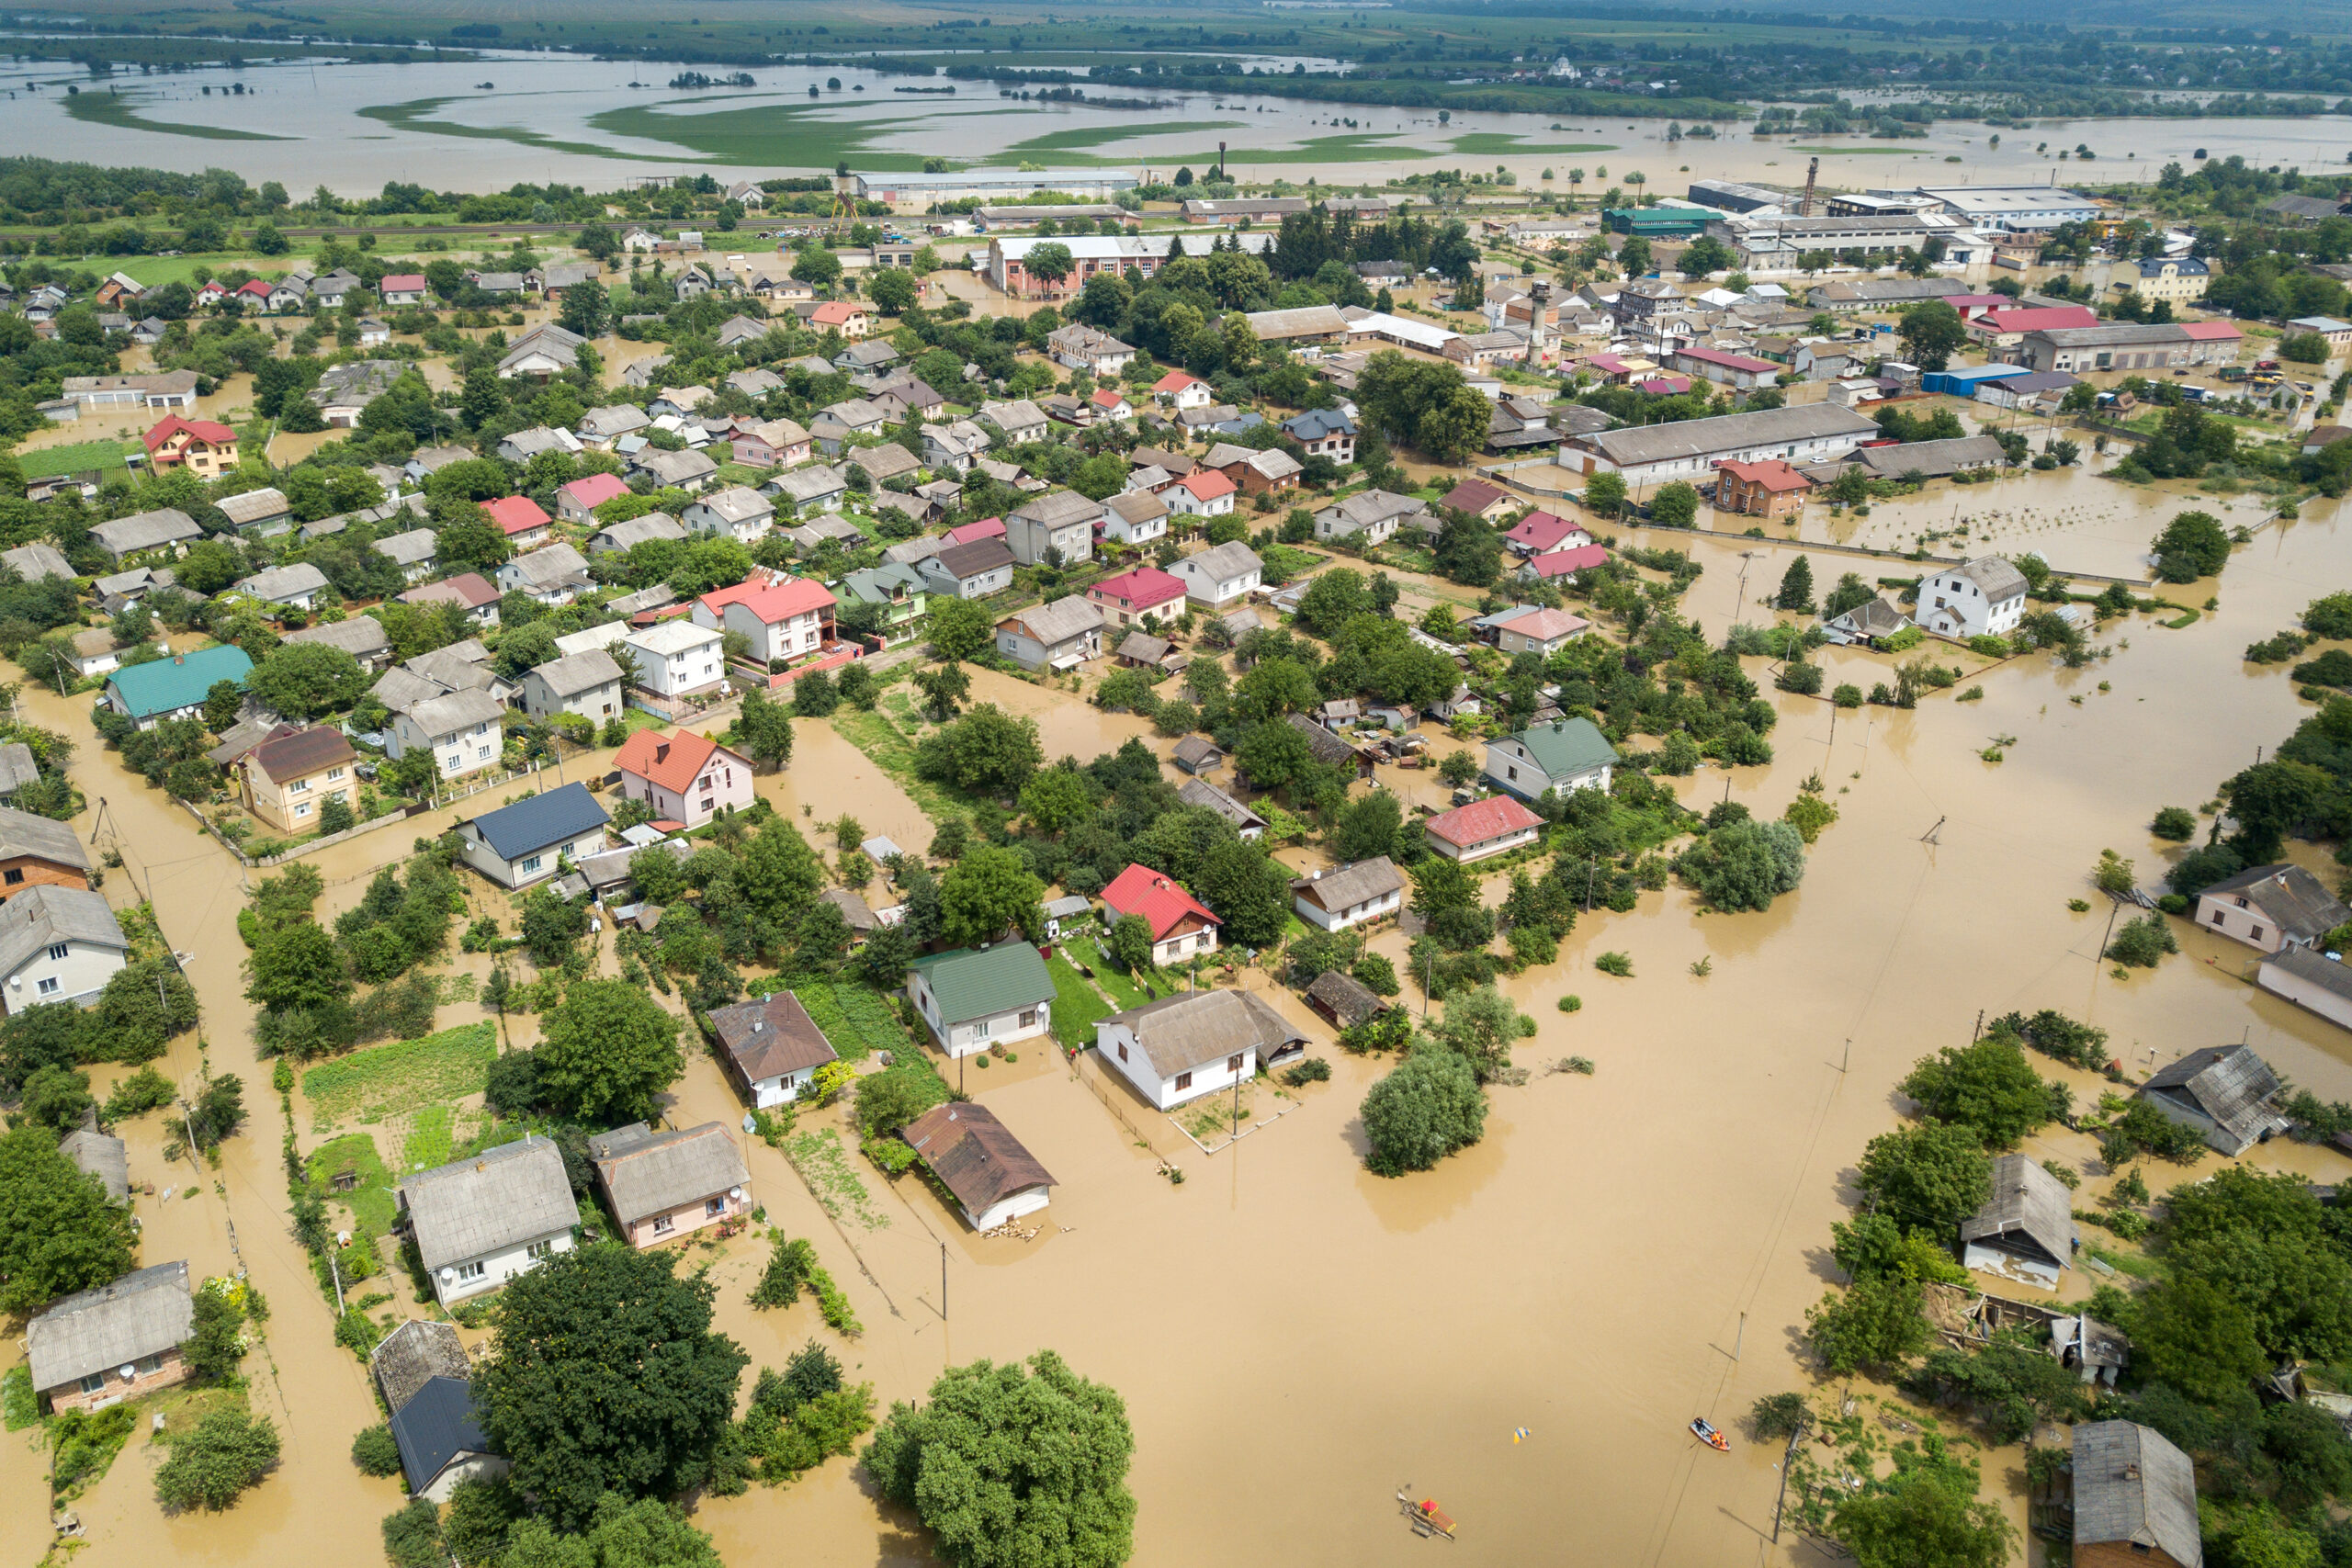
(102, 1346)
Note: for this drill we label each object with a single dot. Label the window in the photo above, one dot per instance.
(1183, 1081)
(715, 1207)
(301, 809)
(1029, 1019)
(95, 1383)
(333, 773)
(2217, 916)
(663, 1225)
(15, 875)
(467, 1272)
(1122, 1053)
(481, 753)
(298, 786)
(981, 1030)
(2257, 933)
(541, 1249)
(49, 988)
(57, 949)
(1233, 1064)
(531, 862)
(150, 1364)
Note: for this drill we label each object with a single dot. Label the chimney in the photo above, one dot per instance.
(2131, 1472)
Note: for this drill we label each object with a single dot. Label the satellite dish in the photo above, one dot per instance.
(448, 1275)
(736, 1194)
(129, 1372)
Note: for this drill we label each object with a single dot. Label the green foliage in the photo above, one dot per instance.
(2142, 943)
(214, 1345)
(1796, 588)
(59, 1232)
(1778, 1416)
(2010, 1384)
(617, 1533)
(2192, 1335)
(1987, 1087)
(1428, 1107)
(2193, 544)
(2265, 1242)
(83, 1444)
(1928, 1177)
(2175, 823)
(375, 1452)
(1920, 1520)
(1615, 963)
(1744, 866)
(1007, 1467)
(607, 1050)
(2329, 616)
(2054, 1034)
(987, 893)
(229, 1451)
(1872, 1247)
(413, 1536)
(1130, 944)
(1873, 1325)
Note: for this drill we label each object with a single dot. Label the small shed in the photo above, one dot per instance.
(1067, 913)
(1344, 999)
(440, 1439)
(993, 1178)
(2089, 1347)
(2025, 1230)
(106, 1158)
(1196, 754)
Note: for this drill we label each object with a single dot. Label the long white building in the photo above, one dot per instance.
(1691, 449)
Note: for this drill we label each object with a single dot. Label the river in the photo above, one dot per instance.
(552, 118)
(1583, 1272)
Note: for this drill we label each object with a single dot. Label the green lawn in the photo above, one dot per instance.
(49, 462)
(1123, 991)
(785, 135)
(1078, 1007)
(410, 1075)
(371, 1202)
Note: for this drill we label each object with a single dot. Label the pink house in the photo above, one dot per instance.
(577, 501)
(686, 777)
(662, 1186)
(524, 521)
(786, 618)
(972, 533)
(1139, 597)
(1541, 532)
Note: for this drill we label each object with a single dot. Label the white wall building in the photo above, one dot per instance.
(1983, 597)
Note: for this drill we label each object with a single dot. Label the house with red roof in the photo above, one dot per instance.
(1180, 392)
(1180, 924)
(205, 448)
(2001, 329)
(211, 294)
(1558, 564)
(1139, 598)
(1203, 493)
(1743, 371)
(1109, 403)
(1479, 499)
(524, 521)
(1541, 532)
(402, 288)
(1493, 825)
(786, 618)
(1663, 385)
(685, 777)
(577, 501)
(844, 316)
(1760, 490)
(254, 293)
(972, 533)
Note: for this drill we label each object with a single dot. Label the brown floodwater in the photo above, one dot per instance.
(1584, 1272)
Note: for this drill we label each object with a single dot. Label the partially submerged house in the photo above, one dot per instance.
(973, 997)
(522, 843)
(994, 1178)
(2226, 1092)
(2025, 1230)
(1353, 894)
(662, 1186)
(1344, 999)
(2135, 1499)
(1493, 825)
(1194, 1044)
(422, 1370)
(104, 1346)
(480, 1222)
(2270, 908)
(1566, 754)
(1246, 822)
(106, 1159)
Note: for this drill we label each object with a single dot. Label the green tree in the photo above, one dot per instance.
(960, 628)
(1988, 1087)
(1368, 824)
(1058, 799)
(1130, 943)
(1873, 1324)
(1481, 1026)
(1921, 1520)
(2191, 1333)
(1008, 1469)
(215, 1343)
(1744, 866)
(59, 1232)
(2266, 1241)
(1050, 261)
(295, 965)
(1604, 494)
(585, 310)
(765, 727)
(608, 1050)
(987, 893)
(552, 925)
(229, 1451)
(1427, 1109)
(1676, 505)
(2191, 545)
(1926, 1177)
(2271, 800)
(1931, 333)
(308, 680)
(1248, 889)
(604, 1377)
(892, 289)
(1796, 587)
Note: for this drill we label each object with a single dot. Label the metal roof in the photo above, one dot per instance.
(1728, 433)
(972, 982)
(47, 913)
(1352, 885)
(499, 1198)
(1179, 1033)
(2232, 1086)
(179, 682)
(436, 1427)
(556, 816)
(2296, 901)
(2028, 1202)
(974, 1156)
(142, 1313)
(22, 833)
(646, 1173)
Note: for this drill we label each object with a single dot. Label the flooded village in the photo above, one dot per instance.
(1341, 844)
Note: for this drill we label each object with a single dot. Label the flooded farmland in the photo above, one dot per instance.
(1295, 1338)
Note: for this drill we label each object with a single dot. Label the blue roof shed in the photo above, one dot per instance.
(169, 685)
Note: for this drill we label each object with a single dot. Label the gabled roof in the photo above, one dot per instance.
(577, 672)
(2027, 1203)
(23, 833)
(540, 821)
(2296, 901)
(1206, 484)
(412, 548)
(498, 1199)
(647, 1173)
(1192, 1029)
(1481, 821)
(1564, 563)
(594, 490)
(1347, 999)
(517, 514)
(972, 982)
(1200, 792)
(979, 557)
(1542, 625)
(179, 682)
(1140, 890)
(1566, 746)
(1351, 884)
(436, 1427)
(281, 582)
(1222, 563)
(2234, 1088)
(2132, 1487)
(1060, 622)
(973, 1154)
(286, 758)
(672, 761)
(95, 1154)
(211, 431)
(141, 1314)
(414, 1354)
(772, 599)
(771, 1036)
(145, 530)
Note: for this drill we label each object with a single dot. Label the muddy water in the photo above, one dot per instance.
(1294, 1339)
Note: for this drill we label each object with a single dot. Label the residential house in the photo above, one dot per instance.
(784, 617)
(1353, 894)
(522, 519)
(412, 552)
(1203, 493)
(1480, 499)
(599, 428)
(2270, 908)
(737, 513)
(343, 391)
(588, 684)
(577, 501)
(1541, 532)
(2134, 1499)
(1061, 521)
(678, 402)
(738, 331)
(866, 359)
(362, 637)
(2318, 981)
(541, 354)
(972, 999)
(289, 778)
(1558, 564)
(687, 778)
(522, 843)
(992, 1176)
(1344, 999)
(38, 561)
(295, 587)
(204, 447)
(662, 1186)
(1059, 636)
(1693, 449)
(258, 512)
(1221, 576)
(1767, 489)
(1564, 755)
(903, 398)
(2224, 1092)
(1255, 472)
(1871, 621)
(799, 491)
(2024, 1231)
(58, 943)
(1082, 347)
(555, 575)
(174, 687)
(464, 731)
(480, 1221)
(1984, 596)
(1181, 926)
(1368, 517)
(1247, 823)
(837, 425)
(1107, 403)
(101, 1347)
(899, 590)
(677, 658)
(1135, 517)
(969, 571)
(1194, 1044)
(772, 443)
(754, 383)
(167, 528)
(953, 447)
(1538, 631)
(1324, 433)
(1493, 825)
(881, 464)
(106, 1160)
(470, 592)
(1146, 596)
(437, 1431)
(1181, 390)
(398, 288)
(39, 852)
(771, 1047)
(92, 652)
(1020, 422)
(686, 470)
(844, 316)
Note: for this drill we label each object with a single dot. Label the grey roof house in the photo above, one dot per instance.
(480, 1222)
(103, 1346)
(519, 844)
(99, 1156)
(663, 1185)
(1058, 637)
(1194, 1044)
(2025, 1230)
(2135, 1493)
(2225, 1092)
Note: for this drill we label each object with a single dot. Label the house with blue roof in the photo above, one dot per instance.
(174, 687)
(519, 844)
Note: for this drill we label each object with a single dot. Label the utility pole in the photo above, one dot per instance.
(943, 1281)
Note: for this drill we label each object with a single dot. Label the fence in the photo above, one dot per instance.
(207, 824)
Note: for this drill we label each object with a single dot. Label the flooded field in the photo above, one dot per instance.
(1583, 1272)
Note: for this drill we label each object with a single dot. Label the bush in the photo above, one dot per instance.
(229, 1451)
(412, 1537)
(1571, 1004)
(2330, 616)
(1315, 1069)
(2140, 943)
(375, 1452)
(1615, 963)
(2175, 823)
(1804, 680)
(512, 1087)
(1429, 1107)
(1846, 696)
(1777, 1415)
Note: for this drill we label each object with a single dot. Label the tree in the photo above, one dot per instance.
(1676, 505)
(59, 1232)
(987, 893)
(1369, 825)
(604, 1377)
(295, 965)
(767, 729)
(1922, 1520)
(987, 751)
(1796, 587)
(305, 681)
(1605, 493)
(2269, 801)
(817, 266)
(585, 309)
(960, 628)
(1706, 254)
(1744, 866)
(1481, 1026)
(1009, 1467)
(1850, 593)
(1051, 261)
(1931, 332)
(222, 700)
(608, 1050)
(2267, 1242)
(229, 1451)
(1873, 1324)
(1987, 1087)
(1427, 1109)
(1058, 799)
(1248, 889)
(375, 1452)
(2191, 1335)
(552, 925)
(1928, 1177)
(1130, 943)
(2191, 545)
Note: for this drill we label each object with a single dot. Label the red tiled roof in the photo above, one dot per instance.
(471, 589)
(1140, 890)
(256, 288)
(594, 490)
(1106, 397)
(1772, 474)
(1471, 495)
(833, 312)
(1206, 484)
(1664, 386)
(1174, 381)
(517, 514)
(1542, 625)
(773, 600)
(670, 761)
(1481, 821)
(204, 430)
(402, 283)
(1560, 563)
(1541, 530)
(972, 533)
(1141, 589)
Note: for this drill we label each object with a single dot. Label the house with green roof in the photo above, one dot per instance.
(977, 997)
(174, 687)
(1566, 754)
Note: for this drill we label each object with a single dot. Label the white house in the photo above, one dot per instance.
(771, 1047)
(480, 1221)
(295, 587)
(737, 513)
(786, 618)
(2270, 908)
(1181, 926)
(1135, 517)
(2025, 1230)
(58, 943)
(465, 731)
(1568, 753)
(1351, 896)
(1194, 1044)
(1062, 521)
(587, 683)
(994, 1178)
(1985, 596)
(519, 844)
(676, 657)
(1203, 493)
(975, 998)
(2311, 981)
(1058, 636)
(1221, 575)
(1368, 516)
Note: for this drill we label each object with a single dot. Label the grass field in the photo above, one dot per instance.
(113, 109)
(1078, 1007)
(411, 1075)
(791, 136)
(1500, 143)
(370, 1200)
(416, 115)
(49, 462)
(823, 1164)
(853, 1017)
(882, 740)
